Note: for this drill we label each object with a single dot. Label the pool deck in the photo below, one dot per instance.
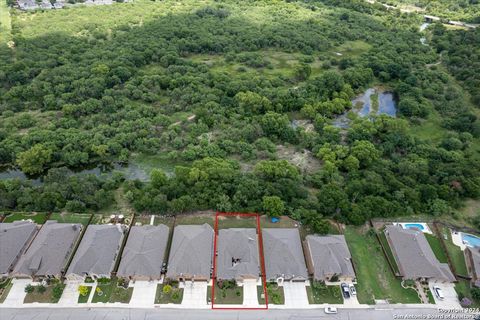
(457, 239)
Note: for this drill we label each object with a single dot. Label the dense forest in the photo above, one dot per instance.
(215, 86)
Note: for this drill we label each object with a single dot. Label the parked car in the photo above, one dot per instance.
(345, 290)
(330, 310)
(438, 292)
(353, 291)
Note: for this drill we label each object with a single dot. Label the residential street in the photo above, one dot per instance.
(184, 314)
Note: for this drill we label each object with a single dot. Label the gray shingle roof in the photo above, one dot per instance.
(414, 256)
(49, 252)
(283, 253)
(13, 239)
(330, 256)
(191, 253)
(97, 252)
(238, 254)
(144, 252)
(475, 260)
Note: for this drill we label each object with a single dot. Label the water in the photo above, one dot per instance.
(418, 226)
(470, 240)
(386, 104)
(364, 101)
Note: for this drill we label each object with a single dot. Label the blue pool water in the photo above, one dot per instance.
(414, 226)
(470, 240)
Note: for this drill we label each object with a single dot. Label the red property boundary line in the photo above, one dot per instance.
(260, 251)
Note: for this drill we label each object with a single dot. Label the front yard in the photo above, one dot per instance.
(319, 293)
(5, 287)
(226, 293)
(169, 293)
(112, 291)
(44, 294)
(274, 292)
(375, 280)
(84, 293)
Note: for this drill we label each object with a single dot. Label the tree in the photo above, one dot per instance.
(303, 71)
(365, 152)
(273, 206)
(158, 178)
(41, 289)
(476, 294)
(57, 291)
(35, 159)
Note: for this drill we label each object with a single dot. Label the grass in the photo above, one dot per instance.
(64, 217)
(225, 222)
(158, 220)
(38, 218)
(45, 297)
(285, 222)
(5, 287)
(232, 295)
(390, 255)
(161, 161)
(84, 299)
(5, 23)
(456, 254)
(375, 280)
(274, 292)
(319, 293)
(175, 296)
(464, 290)
(111, 292)
(431, 300)
(195, 219)
(436, 246)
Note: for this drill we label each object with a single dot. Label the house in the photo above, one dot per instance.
(284, 260)
(414, 256)
(14, 239)
(473, 258)
(144, 253)
(328, 257)
(191, 253)
(97, 253)
(238, 255)
(49, 252)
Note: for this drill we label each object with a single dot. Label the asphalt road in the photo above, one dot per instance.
(184, 314)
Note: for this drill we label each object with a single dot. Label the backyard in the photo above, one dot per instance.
(82, 218)
(38, 218)
(455, 253)
(388, 250)
(319, 293)
(44, 294)
(436, 246)
(169, 293)
(112, 291)
(367, 256)
(226, 293)
(274, 292)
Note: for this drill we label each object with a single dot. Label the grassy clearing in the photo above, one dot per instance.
(173, 295)
(227, 295)
(64, 217)
(5, 287)
(52, 293)
(319, 293)
(38, 218)
(111, 292)
(161, 161)
(380, 284)
(274, 292)
(390, 255)
(436, 246)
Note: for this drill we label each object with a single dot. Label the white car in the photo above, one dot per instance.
(438, 292)
(353, 291)
(330, 310)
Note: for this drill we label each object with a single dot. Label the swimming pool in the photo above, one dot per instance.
(418, 226)
(470, 240)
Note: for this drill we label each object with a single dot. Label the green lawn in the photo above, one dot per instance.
(233, 295)
(82, 218)
(195, 219)
(319, 293)
(111, 292)
(5, 287)
(84, 299)
(431, 300)
(45, 297)
(174, 296)
(463, 290)
(274, 292)
(390, 255)
(436, 246)
(236, 222)
(5, 23)
(455, 253)
(374, 277)
(38, 218)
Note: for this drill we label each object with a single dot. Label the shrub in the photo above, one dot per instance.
(167, 289)
(83, 290)
(29, 288)
(57, 291)
(41, 289)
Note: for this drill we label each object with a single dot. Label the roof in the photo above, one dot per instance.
(13, 239)
(49, 252)
(97, 252)
(283, 253)
(237, 253)
(144, 252)
(330, 256)
(414, 255)
(191, 252)
(475, 252)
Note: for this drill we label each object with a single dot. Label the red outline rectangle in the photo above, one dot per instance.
(260, 251)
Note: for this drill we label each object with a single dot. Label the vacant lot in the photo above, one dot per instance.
(374, 277)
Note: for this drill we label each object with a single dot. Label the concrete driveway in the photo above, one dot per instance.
(451, 298)
(250, 298)
(17, 292)
(295, 294)
(70, 293)
(143, 293)
(195, 294)
(352, 301)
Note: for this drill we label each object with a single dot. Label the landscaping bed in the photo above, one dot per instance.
(112, 291)
(274, 292)
(50, 293)
(226, 293)
(169, 293)
(5, 287)
(84, 293)
(319, 293)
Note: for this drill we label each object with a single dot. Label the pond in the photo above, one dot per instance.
(362, 106)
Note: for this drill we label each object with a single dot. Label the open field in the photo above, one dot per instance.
(381, 284)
